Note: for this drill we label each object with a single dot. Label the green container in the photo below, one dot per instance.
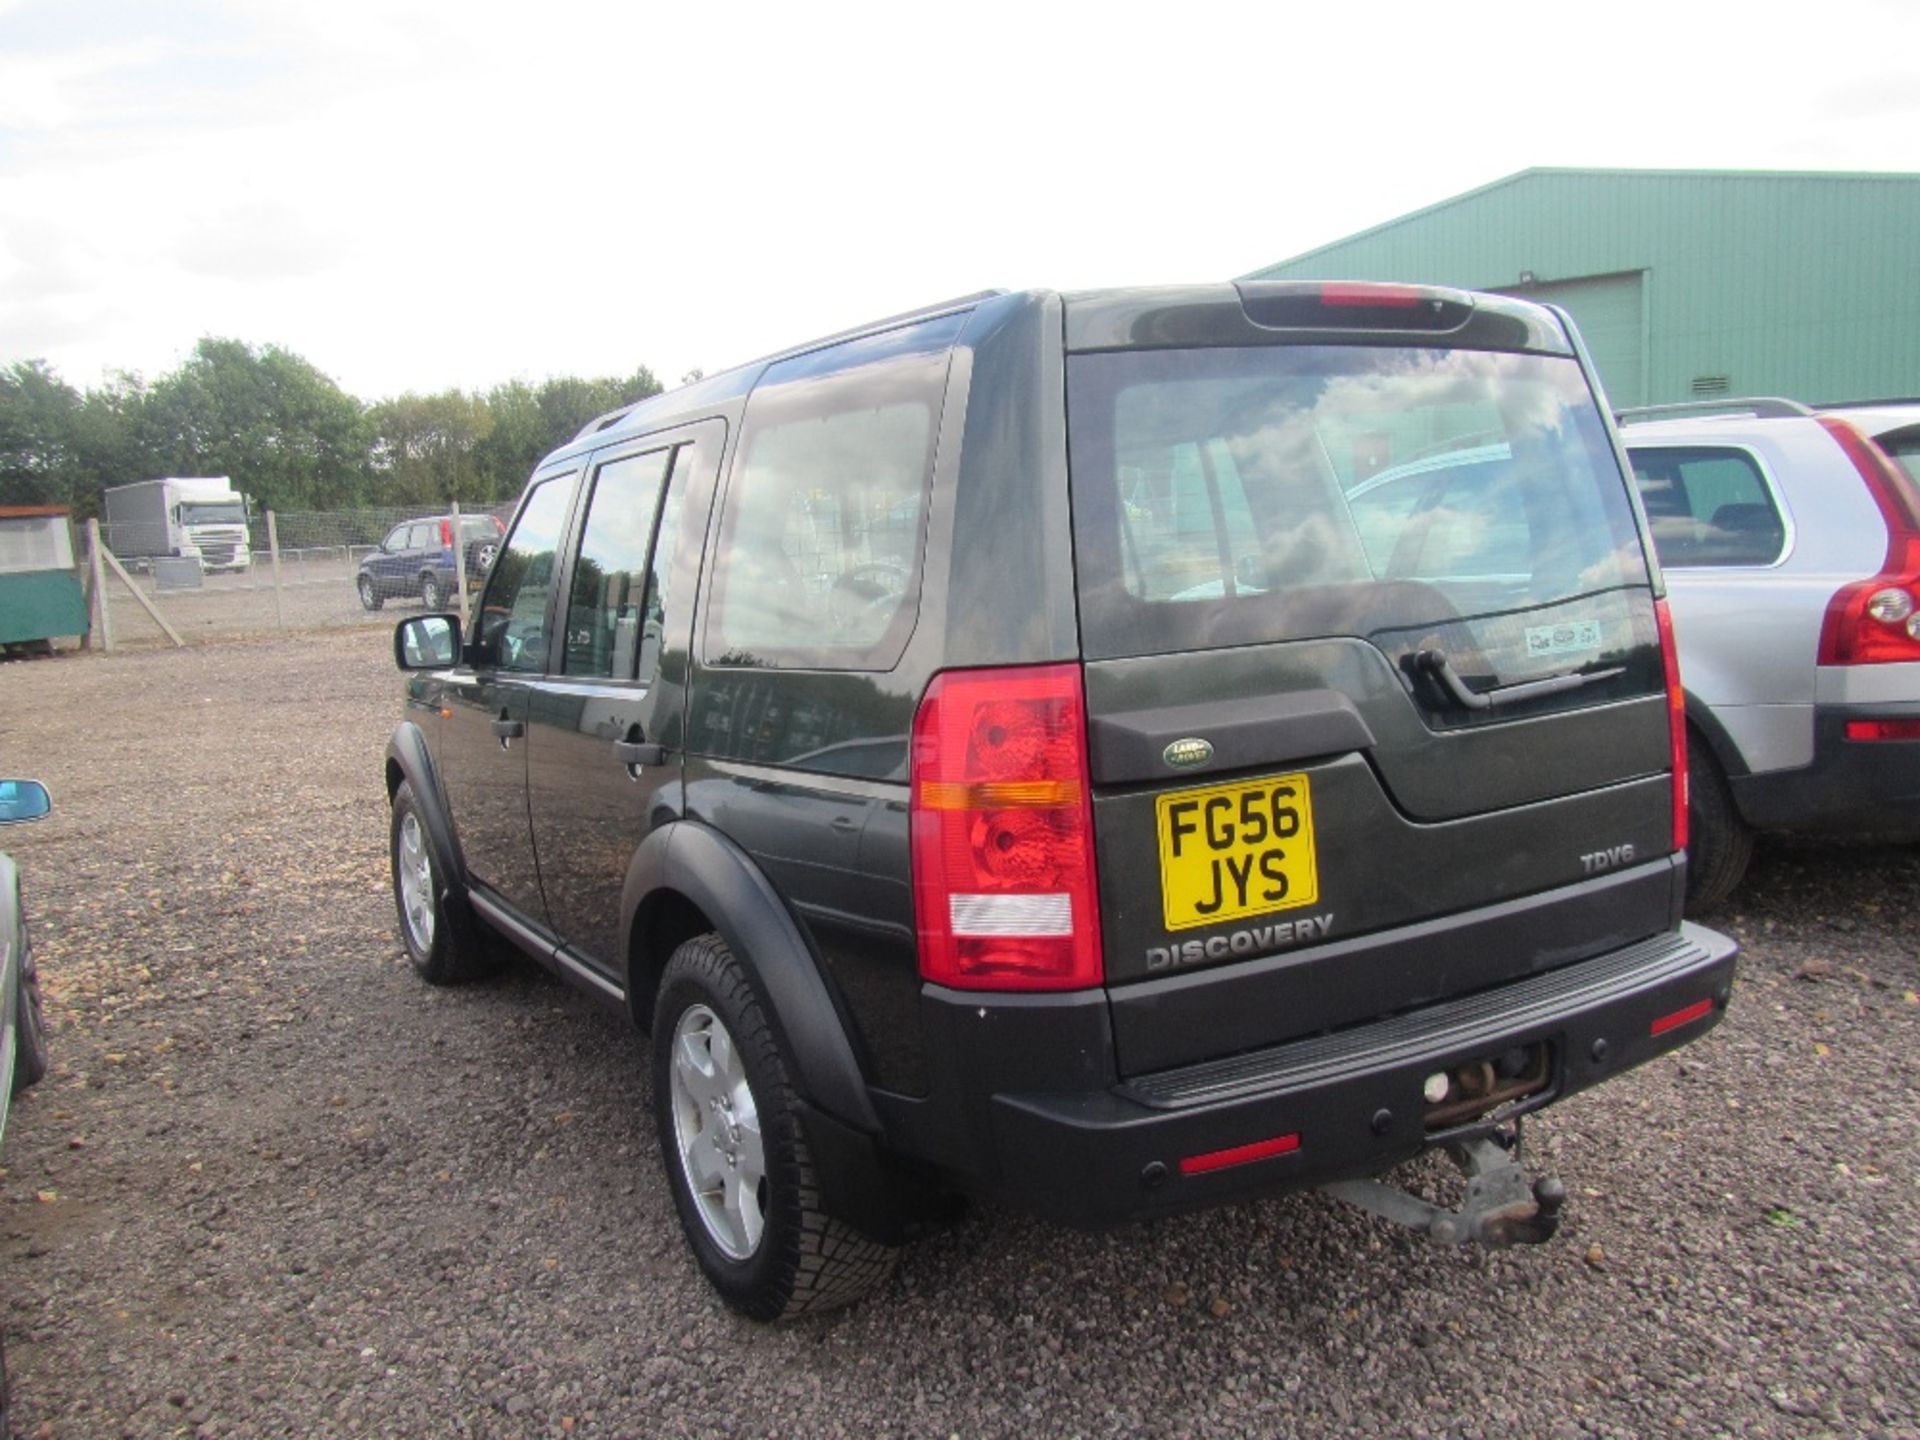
(41, 604)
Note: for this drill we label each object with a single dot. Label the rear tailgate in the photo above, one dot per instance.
(1370, 644)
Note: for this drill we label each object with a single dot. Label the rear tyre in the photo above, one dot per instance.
(1719, 844)
(30, 1057)
(419, 894)
(370, 598)
(430, 596)
(736, 1151)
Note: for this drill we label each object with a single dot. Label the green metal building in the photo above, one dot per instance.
(1687, 284)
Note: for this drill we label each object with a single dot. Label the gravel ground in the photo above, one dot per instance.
(275, 1186)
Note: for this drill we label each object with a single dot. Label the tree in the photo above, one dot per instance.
(529, 422)
(39, 459)
(287, 434)
(427, 448)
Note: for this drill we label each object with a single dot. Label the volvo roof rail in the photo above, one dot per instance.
(1761, 407)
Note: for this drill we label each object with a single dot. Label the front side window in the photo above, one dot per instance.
(607, 610)
(1708, 505)
(819, 556)
(396, 539)
(510, 625)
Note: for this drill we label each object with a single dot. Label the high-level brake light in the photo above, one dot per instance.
(1383, 297)
(1002, 823)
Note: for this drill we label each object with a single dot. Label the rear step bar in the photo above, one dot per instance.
(1501, 1209)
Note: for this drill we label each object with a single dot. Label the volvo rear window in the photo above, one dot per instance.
(1231, 496)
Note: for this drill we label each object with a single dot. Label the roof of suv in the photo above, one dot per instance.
(1150, 316)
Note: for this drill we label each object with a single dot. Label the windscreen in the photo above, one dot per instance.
(212, 512)
(1230, 496)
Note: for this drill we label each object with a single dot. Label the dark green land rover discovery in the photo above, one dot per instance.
(1118, 752)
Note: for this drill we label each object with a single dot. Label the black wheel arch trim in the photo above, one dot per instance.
(408, 753)
(700, 864)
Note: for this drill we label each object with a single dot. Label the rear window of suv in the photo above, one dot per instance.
(1231, 496)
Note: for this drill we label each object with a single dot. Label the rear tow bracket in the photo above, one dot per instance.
(1500, 1208)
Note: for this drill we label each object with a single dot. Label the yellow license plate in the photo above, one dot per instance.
(1229, 851)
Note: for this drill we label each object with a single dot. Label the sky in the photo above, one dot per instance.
(419, 196)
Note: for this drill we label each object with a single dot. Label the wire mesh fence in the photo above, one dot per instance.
(296, 570)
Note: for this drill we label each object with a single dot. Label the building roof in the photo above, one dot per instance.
(1543, 172)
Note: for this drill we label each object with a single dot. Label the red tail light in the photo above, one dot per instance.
(1002, 820)
(1877, 621)
(1676, 721)
(446, 533)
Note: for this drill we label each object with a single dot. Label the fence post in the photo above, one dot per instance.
(273, 549)
(99, 584)
(459, 563)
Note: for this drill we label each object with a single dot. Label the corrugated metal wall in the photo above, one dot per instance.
(1790, 284)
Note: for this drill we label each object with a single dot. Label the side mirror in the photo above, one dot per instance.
(426, 642)
(23, 800)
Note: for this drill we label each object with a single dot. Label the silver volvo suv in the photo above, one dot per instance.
(1790, 537)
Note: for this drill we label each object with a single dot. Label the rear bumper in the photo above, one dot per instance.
(1101, 1154)
(1856, 786)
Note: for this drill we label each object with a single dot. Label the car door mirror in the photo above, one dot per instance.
(426, 642)
(23, 800)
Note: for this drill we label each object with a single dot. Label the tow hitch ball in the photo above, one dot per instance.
(1500, 1208)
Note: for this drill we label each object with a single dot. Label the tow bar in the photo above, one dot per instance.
(1501, 1209)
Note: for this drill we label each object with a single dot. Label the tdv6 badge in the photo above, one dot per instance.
(1230, 851)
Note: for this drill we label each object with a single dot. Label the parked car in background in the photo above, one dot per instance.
(416, 560)
(1219, 824)
(1790, 537)
(23, 1035)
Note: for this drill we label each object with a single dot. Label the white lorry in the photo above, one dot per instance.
(190, 516)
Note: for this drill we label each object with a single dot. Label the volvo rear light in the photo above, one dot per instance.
(1002, 824)
(1877, 621)
(1676, 721)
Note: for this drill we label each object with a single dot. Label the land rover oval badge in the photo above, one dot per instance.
(1185, 754)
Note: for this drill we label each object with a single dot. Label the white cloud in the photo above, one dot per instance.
(415, 196)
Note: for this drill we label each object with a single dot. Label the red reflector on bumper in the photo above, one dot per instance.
(1696, 1011)
(1239, 1155)
(1883, 729)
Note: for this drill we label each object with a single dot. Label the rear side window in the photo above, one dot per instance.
(818, 563)
(1232, 496)
(1708, 505)
(1904, 448)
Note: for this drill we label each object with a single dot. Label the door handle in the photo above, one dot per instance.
(640, 752)
(509, 730)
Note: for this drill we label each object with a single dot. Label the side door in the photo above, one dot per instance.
(605, 731)
(484, 750)
(386, 562)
